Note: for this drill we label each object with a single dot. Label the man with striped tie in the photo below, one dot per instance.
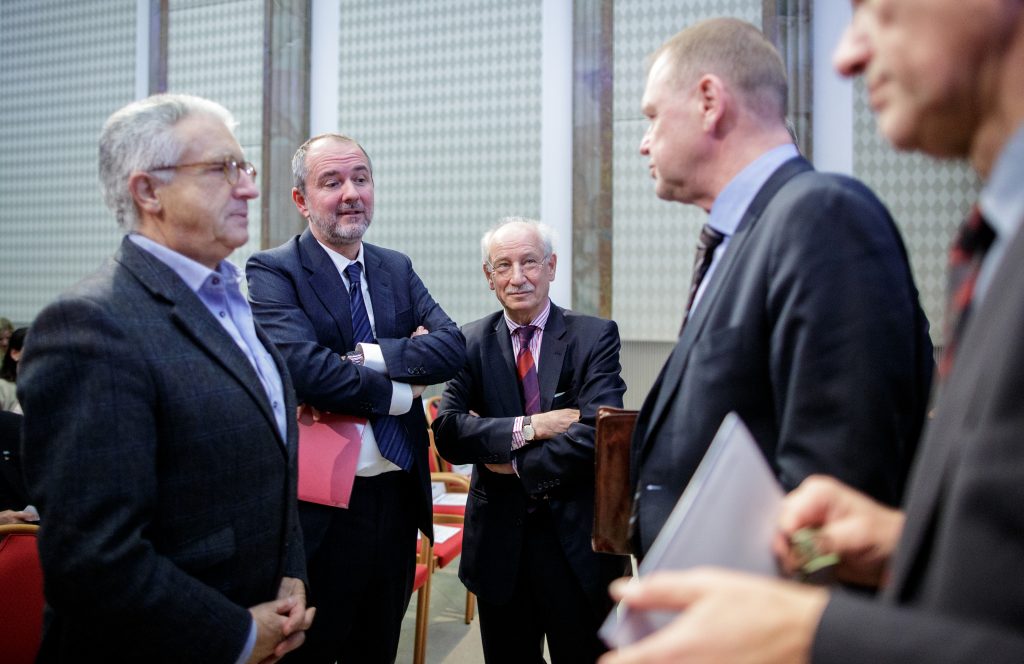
(361, 336)
(523, 411)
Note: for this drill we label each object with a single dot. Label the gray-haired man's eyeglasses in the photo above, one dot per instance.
(229, 166)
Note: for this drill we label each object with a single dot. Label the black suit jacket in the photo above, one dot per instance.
(810, 329)
(166, 493)
(956, 592)
(299, 298)
(578, 368)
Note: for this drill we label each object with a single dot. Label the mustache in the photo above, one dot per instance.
(525, 288)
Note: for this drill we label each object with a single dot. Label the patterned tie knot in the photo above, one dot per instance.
(354, 273)
(709, 238)
(525, 333)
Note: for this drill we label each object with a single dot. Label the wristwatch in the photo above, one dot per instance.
(528, 431)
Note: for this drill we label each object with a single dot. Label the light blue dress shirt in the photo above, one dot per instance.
(732, 202)
(1002, 206)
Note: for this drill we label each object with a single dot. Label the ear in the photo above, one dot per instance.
(300, 202)
(552, 264)
(488, 277)
(142, 187)
(711, 96)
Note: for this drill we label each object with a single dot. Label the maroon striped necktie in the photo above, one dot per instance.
(706, 244)
(527, 370)
(965, 257)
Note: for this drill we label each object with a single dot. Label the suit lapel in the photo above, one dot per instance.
(327, 284)
(195, 320)
(382, 296)
(675, 367)
(500, 367)
(552, 354)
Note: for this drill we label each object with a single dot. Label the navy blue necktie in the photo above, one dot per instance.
(388, 430)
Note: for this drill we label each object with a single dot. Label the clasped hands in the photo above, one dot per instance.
(281, 624)
(736, 617)
(545, 425)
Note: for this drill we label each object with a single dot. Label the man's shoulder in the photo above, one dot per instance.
(482, 326)
(584, 320)
(387, 256)
(284, 253)
(816, 186)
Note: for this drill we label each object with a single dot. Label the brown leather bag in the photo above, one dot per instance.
(613, 496)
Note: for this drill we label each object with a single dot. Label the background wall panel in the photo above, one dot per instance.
(446, 98)
(66, 67)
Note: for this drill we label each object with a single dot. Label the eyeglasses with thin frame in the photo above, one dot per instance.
(230, 166)
(530, 266)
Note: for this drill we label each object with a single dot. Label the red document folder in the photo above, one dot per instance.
(328, 455)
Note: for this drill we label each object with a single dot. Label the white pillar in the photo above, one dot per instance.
(325, 18)
(833, 95)
(556, 137)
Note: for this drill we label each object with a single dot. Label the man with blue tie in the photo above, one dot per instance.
(361, 336)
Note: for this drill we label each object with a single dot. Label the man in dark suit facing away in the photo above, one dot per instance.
(522, 410)
(361, 336)
(806, 322)
(159, 433)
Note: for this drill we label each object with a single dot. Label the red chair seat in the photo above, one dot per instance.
(21, 598)
(448, 550)
(459, 510)
(422, 574)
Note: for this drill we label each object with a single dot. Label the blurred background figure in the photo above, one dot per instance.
(9, 369)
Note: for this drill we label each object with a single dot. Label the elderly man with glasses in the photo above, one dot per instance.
(523, 410)
(159, 430)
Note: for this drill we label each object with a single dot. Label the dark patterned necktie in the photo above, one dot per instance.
(966, 254)
(388, 430)
(706, 244)
(527, 370)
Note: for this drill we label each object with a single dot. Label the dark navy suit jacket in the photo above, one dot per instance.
(300, 299)
(810, 329)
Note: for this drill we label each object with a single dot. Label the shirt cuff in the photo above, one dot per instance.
(373, 358)
(401, 398)
(250, 644)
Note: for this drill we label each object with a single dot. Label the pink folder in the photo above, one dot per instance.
(328, 455)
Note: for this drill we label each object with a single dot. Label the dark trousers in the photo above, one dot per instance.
(548, 601)
(361, 562)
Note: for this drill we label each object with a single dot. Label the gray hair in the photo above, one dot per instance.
(545, 232)
(300, 170)
(141, 136)
(738, 53)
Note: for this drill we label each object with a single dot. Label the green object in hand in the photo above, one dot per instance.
(814, 563)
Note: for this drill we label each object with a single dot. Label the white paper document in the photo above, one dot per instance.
(726, 517)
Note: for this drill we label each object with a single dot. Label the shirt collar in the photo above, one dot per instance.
(1000, 200)
(539, 321)
(341, 262)
(192, 273)
(729, 207)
